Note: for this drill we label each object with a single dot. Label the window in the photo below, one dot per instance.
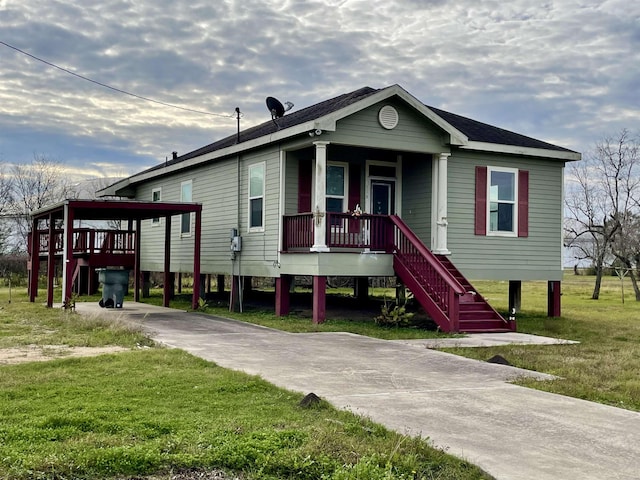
(336, 193)
(502, 202)
(186, 195)
(256, 197)
(156, 195)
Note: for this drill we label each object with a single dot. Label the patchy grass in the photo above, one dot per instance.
(603, 367)
(157, 411)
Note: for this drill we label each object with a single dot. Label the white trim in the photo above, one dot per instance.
(156, 221)
(397, 180)
(345, 196)
(327, 123)
(281, 203)
(182, 199)
(251, 229)
(513, 233)
(527, 151)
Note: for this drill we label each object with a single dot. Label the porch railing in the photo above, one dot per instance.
(87, 241)
(431, 283)
(373, 232)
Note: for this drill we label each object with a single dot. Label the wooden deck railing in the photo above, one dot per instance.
(430, 282)
(373, 232)
(87, 241)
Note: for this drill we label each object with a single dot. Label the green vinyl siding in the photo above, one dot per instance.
(535, 257)
(416, 195)
(411, 134)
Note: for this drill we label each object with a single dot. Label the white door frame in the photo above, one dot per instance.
(397, 180)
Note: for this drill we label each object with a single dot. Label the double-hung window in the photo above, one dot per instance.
(186, 195)
(156, 196)
(337, 184)
(502, 202)
(256, 197)
(503, 194)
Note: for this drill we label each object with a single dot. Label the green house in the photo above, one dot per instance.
(369, 183)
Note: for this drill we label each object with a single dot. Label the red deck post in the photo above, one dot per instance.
(35, 261)
(136, 262)
(319, 299)
(283, 304)
(196, 261)
(553, 298)
(166, 293)
(68, 263)
(51, 262)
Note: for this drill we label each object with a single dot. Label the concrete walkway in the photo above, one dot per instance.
(464, 406)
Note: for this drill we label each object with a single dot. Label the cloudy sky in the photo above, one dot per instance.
(563, 71)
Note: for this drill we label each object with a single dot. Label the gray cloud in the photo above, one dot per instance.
(565, 71)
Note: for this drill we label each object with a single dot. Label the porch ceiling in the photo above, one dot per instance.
(92, 209)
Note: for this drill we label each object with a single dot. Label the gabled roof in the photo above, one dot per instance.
(292, 119)
(483, 132)
(463, 132)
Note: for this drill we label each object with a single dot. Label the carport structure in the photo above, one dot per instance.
(73, 244)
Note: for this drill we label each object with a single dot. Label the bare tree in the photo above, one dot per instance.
(589, 231)
(35, 185)
(603, 199)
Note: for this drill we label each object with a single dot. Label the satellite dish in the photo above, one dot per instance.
(276, 108)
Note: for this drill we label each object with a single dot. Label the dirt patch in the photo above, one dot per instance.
(43, 353)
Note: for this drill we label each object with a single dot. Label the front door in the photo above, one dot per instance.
(382, 197)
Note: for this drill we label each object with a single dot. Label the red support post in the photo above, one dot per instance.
(136, 261)
(319, 299)
(68, 263)
(51, 262)
(35, 261)
(196, 260)
(283, 305)
(166, 293)
(553, 298)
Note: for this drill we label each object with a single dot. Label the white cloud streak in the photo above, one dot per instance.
(566, 71)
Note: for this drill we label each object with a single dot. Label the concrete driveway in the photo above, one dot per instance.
(464, 406)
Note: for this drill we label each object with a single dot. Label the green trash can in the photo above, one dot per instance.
(115, 283)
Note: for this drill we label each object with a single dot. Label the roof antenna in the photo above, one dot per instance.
(238, 115)
(277, 109)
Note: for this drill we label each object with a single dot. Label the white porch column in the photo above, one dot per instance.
(440, 184)
(319, 207)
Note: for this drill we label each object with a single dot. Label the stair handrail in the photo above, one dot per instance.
(424, 251)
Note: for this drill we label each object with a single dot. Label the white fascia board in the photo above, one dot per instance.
(207, 157)
(527, 151)
(328, 122)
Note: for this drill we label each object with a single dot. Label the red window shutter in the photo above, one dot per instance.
(304, 186)
(481, 201)
(523, 203)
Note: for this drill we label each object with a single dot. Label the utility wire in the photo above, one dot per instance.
(110, 87)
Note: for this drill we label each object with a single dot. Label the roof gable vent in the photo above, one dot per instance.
(388, 117)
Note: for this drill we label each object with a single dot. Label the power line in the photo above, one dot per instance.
(110, 87)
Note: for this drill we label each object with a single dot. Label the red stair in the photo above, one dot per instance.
(444, 293)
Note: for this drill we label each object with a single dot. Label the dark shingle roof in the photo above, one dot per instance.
(483, 132)
(290, 120)
(474, 130)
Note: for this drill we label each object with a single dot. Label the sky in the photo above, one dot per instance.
(563, 71)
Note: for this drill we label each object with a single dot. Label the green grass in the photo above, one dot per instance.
(603, 367)
(23, 323)
(155, 411)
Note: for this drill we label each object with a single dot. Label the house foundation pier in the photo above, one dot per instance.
(319, 299)
(553, 298)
